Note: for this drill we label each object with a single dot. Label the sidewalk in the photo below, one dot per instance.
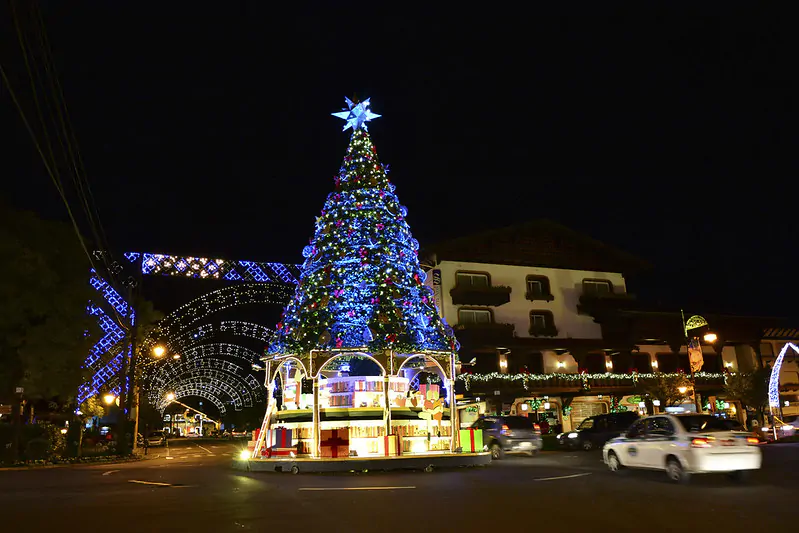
(103, 460)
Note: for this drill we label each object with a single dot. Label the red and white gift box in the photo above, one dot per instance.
(281, 452)
(335, 443)
(389, 445)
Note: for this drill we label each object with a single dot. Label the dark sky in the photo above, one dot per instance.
(205, 129)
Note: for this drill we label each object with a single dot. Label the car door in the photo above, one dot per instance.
(659, 437)
(630, 447)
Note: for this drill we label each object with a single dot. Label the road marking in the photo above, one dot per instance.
(110, 472)
(562, 477)
(168, 457)
(206, 449)
(149, 483)
(354, 488)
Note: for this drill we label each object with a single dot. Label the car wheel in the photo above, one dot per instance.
(587, 445)
(614, 465)
(496, 451)
(739, 476)
(676, 473)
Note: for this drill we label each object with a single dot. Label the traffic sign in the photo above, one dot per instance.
(19, 390)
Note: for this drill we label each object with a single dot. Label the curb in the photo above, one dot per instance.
(67, 465)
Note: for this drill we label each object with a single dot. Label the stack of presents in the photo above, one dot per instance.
(334, 443)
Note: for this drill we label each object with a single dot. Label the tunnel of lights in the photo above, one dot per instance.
(208, 355)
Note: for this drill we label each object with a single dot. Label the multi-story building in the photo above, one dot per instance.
(546, 325)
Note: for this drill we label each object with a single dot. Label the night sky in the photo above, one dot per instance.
(205, 129)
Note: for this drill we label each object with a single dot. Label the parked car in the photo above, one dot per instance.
(682, 445)
(595, 431)
(509, 434)
(787, 427)
(156, 438)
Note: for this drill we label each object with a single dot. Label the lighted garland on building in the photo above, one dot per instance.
(527, 380)
(615, 405)
(361, 286)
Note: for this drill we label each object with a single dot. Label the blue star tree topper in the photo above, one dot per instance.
(361, 285)
(357, 116)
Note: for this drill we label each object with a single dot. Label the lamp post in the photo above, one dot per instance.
(694, 347)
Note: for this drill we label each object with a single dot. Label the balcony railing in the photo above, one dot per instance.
(538, 295)
(547, 331)
(470, 295)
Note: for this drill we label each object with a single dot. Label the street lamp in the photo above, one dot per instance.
(109, 398)
(170, 396)
(711, 337)
(159, 351)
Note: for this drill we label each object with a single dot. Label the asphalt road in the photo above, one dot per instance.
(195, 489)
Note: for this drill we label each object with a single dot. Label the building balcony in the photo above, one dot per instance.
(489, 296)
(484, 333)
(590, 304)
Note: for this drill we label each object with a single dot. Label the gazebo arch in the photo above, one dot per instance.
(355, 354)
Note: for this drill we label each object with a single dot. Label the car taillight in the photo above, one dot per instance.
(752, 440)
(700, 443)
(505, 430)
(536, 428)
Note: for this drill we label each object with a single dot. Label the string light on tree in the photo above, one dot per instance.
(361, 285)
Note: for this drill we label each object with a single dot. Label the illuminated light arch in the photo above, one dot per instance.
(774, 380)
(234, 386)
(162, 383)
(233, 328)
(203, 386)
(184, 391)
(186, 316)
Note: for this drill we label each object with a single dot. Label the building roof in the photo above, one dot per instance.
(538, 243)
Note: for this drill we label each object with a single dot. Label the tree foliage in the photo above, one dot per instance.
(751, 389)
(666, 388)
(45, 332)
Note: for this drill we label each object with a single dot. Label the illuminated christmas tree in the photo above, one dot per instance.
(361, 286)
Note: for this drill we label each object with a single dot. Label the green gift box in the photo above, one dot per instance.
(471, 440)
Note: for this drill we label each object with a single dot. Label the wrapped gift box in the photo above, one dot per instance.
(280, 438)
(471, 440)
(335, 443)
(389, 445)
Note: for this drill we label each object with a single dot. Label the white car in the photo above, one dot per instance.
(682, 445)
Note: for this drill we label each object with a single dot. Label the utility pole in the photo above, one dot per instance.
(16, 419)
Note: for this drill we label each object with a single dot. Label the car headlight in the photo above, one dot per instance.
(572, 435)
(244, 455)
(559, 435)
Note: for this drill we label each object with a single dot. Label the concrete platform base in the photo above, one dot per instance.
(427, 463)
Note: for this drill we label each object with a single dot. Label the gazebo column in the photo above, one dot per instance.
(315, 450)
(386, 403)
(453, 410)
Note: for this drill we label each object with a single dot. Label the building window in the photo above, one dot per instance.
(597, 287)
(673, 362)
(472, 279)
(542, 323)
(526, 363)
(538, 288)
(474, 316)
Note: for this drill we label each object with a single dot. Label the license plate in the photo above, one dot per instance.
(728, 443)
(525, 445)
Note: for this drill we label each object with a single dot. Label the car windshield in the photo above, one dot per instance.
(518, 422)
(703, 423)
(588, 423)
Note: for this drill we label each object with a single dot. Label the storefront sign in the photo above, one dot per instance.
(438, 292)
